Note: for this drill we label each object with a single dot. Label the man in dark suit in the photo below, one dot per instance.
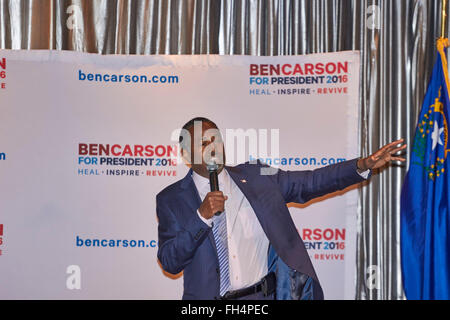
(251, 250)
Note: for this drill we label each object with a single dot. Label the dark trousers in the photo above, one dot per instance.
(258, 296)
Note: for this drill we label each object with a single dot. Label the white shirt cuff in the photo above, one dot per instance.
(364, 174)
(207, 221)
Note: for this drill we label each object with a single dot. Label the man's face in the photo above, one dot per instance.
(206, 144)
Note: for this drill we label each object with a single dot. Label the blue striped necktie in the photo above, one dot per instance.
(220, 237)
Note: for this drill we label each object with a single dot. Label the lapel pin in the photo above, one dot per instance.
(244, 181)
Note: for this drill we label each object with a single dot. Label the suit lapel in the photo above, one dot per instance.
(255, 192)
(275, 220)
(266, 205)
(260, 198)
(190, 192)
(194, 201)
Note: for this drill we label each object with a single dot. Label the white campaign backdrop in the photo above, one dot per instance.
(45, 203)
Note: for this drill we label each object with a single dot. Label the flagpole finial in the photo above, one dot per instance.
(443, 17)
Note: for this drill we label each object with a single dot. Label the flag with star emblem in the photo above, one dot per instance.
(425, 219)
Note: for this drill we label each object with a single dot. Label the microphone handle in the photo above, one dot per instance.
(214, 184)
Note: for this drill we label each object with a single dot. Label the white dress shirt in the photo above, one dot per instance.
(247, 242)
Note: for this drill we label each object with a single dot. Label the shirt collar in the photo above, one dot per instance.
(202, 183)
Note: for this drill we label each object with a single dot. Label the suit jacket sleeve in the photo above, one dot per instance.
(177, 243)
(302, 186)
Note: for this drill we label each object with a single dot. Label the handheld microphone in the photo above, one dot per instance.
(213, 178)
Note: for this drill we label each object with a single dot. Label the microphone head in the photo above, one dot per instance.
(211, 165)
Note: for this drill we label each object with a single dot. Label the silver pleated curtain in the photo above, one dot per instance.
(396, 39)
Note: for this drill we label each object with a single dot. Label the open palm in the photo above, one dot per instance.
(383, 156)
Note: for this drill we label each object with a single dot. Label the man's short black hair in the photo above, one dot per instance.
(191, 123)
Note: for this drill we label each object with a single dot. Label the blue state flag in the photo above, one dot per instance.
(425, 218)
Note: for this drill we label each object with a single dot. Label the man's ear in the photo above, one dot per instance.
(186, 157)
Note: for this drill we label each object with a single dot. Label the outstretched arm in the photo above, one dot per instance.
(302, 186)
